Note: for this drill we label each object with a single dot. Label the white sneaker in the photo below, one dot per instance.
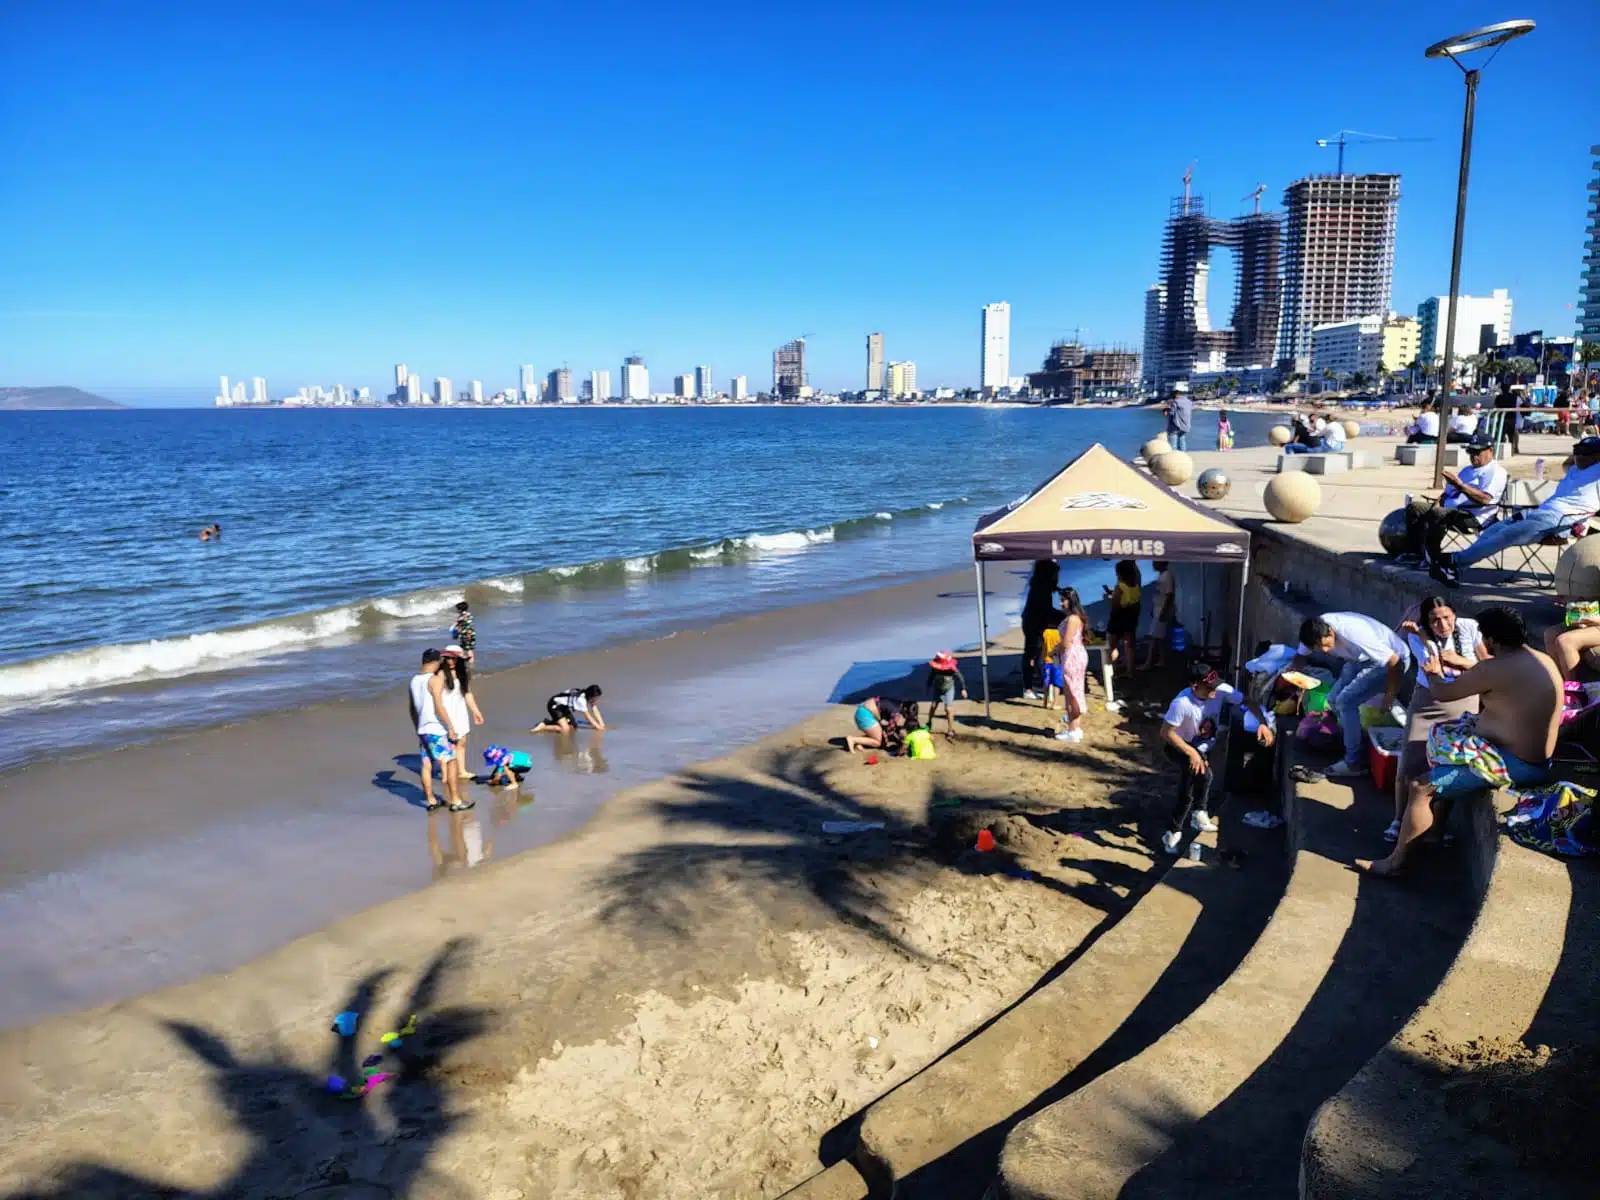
(1200, 821)
(1392, 834)
(1169, 841)
(1030, 694)
(1346, 770)
(1070, 735)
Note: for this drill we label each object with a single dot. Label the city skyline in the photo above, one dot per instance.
(222, 247)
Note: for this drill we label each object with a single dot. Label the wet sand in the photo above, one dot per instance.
(155, 864)
(679, 999)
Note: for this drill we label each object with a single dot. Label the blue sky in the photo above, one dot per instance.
(315, 192)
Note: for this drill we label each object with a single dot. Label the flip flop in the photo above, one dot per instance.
(463, 807)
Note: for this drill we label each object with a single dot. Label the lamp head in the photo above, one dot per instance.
(1485, 38)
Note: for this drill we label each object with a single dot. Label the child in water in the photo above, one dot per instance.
(462, 633)
(506, 767)
(1123, 625)
(1224, 431)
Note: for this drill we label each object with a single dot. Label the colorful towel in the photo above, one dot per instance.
(1557, 818)
(1457, 744)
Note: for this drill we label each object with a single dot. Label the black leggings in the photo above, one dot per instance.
(1194, 791)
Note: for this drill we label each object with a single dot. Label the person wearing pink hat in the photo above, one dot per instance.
(459, 703)
(944, 679)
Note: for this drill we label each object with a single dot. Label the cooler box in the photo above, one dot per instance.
(1383, 755)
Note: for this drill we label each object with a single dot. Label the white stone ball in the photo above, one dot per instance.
(1293, 497)
(1280, 435)
(1578, 570)
(1173, 467)
(1352, 429)
(1156, 445)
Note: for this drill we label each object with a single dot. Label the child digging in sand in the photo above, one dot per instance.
(506, 767)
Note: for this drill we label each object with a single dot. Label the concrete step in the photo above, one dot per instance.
(983, 1082)
(1218, 1106)
(839, 1182)
(1390, 1132)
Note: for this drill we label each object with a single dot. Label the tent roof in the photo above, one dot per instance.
(1101, 506)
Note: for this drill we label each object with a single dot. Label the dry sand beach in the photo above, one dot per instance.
(681, 998)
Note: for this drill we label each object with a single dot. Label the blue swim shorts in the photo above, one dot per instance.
(1453, 782)
(436, 747)
(866, 719)
(1053, 676)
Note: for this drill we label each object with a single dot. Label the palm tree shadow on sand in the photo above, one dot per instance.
(304, 1141)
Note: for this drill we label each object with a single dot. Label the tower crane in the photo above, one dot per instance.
(1256, 196)
(1356, 137)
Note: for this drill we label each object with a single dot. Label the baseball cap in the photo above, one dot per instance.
(1589, 447)
(1478, 445)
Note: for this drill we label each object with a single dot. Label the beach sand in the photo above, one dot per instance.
(678, 999)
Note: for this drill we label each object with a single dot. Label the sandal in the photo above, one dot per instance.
(433, 806)
(463, 807)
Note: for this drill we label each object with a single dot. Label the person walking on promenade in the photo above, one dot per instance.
(1180, 415)
(435, 733)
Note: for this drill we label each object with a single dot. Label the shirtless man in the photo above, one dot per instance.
(1519, 697)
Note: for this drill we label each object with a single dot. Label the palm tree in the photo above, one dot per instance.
(1521, 366)
(1359, 380)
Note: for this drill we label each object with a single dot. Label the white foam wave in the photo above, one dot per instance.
(105, 665)
(512, 585)
(883, 516)
(642, 565)
(565, 572)
(419, 604)
(936, 505)
(706, 553)
(794, 539)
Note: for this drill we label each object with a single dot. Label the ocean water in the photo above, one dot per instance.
(349, 536)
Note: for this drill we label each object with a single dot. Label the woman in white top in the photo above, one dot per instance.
(459, 703)
(1432, 631)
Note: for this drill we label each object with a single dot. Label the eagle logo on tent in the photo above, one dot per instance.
(991, 548)
(1100, 500)
(1229, 548)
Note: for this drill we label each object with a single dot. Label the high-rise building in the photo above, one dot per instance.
(789, 370)
(635, 378)
(1155, 320)
(224, 392)
(586, 390)
(1589, 291)
(258, 390)
(683, 386)
(902, 381)
(996, 362)
(1482, 322)
(874, 362)
(1344, 349)
(238, 392)
(560, 386)
(739, 387)
(441, 390)
(1258, 295)
(704, 389)
(600, 386)
(1338, 256)
(477, 391)
(400, 377)
(1401, 338)
(528, 379)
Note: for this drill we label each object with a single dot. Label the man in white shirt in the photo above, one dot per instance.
(1189, 733)
(435, 734)
(1470, 501)
(1576, 499)
(1463, 424)
(1375, 660)
(1426, 428)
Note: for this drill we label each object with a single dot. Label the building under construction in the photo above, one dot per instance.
(1188, 342)
(789, 370)
(1338, 257)
(1072, 373)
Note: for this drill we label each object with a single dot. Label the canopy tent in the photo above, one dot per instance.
(1100, 506)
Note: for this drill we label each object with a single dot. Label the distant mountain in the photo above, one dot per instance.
(52, 397)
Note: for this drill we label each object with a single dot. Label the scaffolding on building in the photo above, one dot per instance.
(1073, 373)
(789, 370)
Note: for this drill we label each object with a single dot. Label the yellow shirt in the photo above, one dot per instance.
(1052, 642)
(1126, 595)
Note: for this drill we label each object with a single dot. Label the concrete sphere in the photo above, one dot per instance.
(1214, 483)
(1173, 467)
(1156, 445)
(1578, 570)
(1280, 435)
(1293, 497)
(1352, 429)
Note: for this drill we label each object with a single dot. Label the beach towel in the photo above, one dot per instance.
(1457, 744)
(1557, 819)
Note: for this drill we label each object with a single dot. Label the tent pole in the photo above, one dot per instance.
(983, 634)
(1238, 637)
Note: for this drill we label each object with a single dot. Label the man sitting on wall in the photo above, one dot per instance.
(1576, 499)
(1508, 743)
(1471, 498)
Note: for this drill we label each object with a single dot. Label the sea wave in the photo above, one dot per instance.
(49, 679)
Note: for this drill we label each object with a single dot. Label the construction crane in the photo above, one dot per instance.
(1188, 178)
(1344, 136)
(1256, 195)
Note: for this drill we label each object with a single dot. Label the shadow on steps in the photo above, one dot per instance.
(1235, 908)
(1401, 941)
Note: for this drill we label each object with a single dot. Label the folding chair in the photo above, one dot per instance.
(1525, 558)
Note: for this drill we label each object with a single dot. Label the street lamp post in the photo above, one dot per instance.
(1489, 37)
